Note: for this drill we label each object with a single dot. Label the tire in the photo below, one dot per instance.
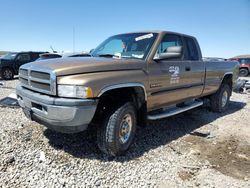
(243, 72)
(7, 74)
(111, 138)
(220, 100)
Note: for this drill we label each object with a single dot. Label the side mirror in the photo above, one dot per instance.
(171, 52)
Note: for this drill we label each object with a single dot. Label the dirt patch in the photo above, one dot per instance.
(229, 156)
(186, 175)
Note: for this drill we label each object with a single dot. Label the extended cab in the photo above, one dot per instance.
(11, 62)
(129, 79)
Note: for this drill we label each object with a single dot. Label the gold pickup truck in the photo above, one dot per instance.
(128, 79)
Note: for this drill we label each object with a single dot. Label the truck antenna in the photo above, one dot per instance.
(52, 49)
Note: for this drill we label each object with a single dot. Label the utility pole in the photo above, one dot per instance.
(74, 39)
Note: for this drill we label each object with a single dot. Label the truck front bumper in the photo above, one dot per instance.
(60, 114)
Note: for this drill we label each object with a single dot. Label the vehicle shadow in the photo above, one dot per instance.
(156, 134)
(15, 78)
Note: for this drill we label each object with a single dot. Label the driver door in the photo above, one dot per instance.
(168, 77)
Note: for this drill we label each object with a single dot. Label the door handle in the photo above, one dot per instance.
(187, 68)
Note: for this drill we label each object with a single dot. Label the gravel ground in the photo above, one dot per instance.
(196, 149)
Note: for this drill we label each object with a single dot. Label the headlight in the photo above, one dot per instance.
(74, 91)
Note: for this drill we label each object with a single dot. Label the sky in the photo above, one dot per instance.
(222, 27)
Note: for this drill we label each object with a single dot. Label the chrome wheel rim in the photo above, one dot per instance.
(7, 74)
(224, 98)
(125, 128)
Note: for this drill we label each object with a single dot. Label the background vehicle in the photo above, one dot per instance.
(129, 79)
(244, 65)
(2, 53)
(10, 63)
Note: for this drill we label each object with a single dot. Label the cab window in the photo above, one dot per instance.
(169, 40)
(23, 58)
(192, 51)
(34, 56)
(245, 61)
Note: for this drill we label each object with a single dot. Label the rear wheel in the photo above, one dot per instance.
(243, 72)
(118, 130)
(220, 100)
(7, 74)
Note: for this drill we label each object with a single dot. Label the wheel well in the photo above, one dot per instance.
(244, 68)
(112, 99)
(228, 79)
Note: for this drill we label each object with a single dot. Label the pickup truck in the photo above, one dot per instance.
(128, 79)
(11, 62)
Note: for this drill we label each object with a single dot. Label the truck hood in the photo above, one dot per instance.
(5, 61)
(78, 65)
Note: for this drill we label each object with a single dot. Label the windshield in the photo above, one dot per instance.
(10, 56)
(131, 46)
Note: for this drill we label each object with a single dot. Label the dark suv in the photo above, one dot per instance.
(10, 63)
(244, 65)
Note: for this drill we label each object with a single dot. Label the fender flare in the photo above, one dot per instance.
(227, 73)
(123, 85)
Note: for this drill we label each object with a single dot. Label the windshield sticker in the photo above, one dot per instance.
(148, 36)
(137, 56)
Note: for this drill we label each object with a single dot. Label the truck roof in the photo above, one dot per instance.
(159, 32)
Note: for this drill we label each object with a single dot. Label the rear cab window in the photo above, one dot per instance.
(192, 52)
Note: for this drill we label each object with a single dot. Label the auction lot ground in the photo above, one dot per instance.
(196, 149)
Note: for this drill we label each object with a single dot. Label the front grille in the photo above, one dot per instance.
(37, 79)
(40, 75)
(24, 81)
(39, 85)
(23, 72)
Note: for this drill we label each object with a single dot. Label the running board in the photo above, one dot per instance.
(175, 110)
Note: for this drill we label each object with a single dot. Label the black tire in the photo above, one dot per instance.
(216, 100)
(244, 72)
(109, 135)
(7, 74)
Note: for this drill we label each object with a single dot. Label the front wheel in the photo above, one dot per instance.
(118, 130)
(220, 100)
(7, 74)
